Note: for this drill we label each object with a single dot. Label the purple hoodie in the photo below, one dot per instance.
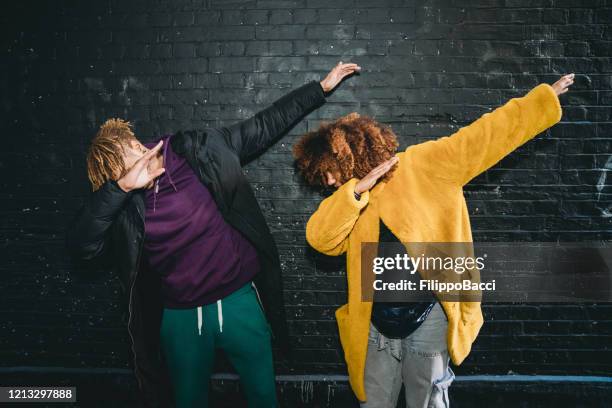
(199, 256)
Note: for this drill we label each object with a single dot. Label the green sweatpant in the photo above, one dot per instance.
(235, 324)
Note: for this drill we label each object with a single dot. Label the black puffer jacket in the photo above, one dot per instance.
(110, 226)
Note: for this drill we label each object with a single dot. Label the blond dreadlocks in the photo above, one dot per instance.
(105, 155)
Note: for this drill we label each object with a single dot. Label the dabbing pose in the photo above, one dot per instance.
(179, 222)
(410, 197)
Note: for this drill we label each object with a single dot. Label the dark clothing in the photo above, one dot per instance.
(397, 319)
(199, 256)
(191, 337)
(111, 226)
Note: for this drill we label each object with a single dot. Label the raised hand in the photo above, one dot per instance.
(562, 85)
(139, 176)
(372, 177)
(337, 74)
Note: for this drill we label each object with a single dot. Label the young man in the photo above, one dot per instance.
(414, 196)
(179, 222)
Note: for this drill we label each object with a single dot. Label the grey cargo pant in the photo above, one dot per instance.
(420, 361)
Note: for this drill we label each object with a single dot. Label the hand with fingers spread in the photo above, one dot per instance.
(372, 177)
(337, 74)
(562, 85)
(139, 175)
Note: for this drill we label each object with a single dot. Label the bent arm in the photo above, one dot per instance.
(329, 227)
(471, 150)
(257, 133)
(86, 235)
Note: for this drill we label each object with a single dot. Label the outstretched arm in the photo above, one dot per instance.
(471, 150)
(257, 133)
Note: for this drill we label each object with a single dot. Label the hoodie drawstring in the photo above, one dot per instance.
(156, 189)
(219, 317)
(200, 320)
(167, 172)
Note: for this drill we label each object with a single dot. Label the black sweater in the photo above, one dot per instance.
(393, 318)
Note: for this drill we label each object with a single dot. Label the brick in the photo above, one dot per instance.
(281, 16)
(160, 51)
(336, 32)
(183, 50)
(281, 48)
(256, 48)
(208, 49)
(184, 18)
(233, 48)
(232, 17)
(280, 32)
(231, 64)
(207, 17)
(278, 64)
(305, 16)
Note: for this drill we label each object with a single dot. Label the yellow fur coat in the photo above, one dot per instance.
(423, 202)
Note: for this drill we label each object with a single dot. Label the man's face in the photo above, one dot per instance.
(133, 151)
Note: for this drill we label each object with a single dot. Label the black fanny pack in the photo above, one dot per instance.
(399, 320)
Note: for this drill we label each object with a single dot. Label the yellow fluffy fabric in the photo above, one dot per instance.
(423, 202)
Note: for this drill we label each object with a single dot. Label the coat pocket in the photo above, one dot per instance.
(373, 335)
(439, 392)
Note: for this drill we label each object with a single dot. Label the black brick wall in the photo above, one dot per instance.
(429, 67)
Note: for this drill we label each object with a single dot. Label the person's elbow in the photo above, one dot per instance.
(319, 241)
(80, 249)
(87, 262)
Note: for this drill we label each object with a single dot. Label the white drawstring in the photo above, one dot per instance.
(220, 315)
(257, 293)
(200, 320)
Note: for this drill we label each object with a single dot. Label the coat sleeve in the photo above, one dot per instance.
(329, 226)
(253, 135)
(473, 149)
(87, 234)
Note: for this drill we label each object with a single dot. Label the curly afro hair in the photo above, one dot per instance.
(349, 147)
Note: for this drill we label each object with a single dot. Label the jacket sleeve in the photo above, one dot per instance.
(257, 133)
(330, 225)
(471, 150)
(87, 234)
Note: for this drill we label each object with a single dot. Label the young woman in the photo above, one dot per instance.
(179, 222)
(413, 196)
